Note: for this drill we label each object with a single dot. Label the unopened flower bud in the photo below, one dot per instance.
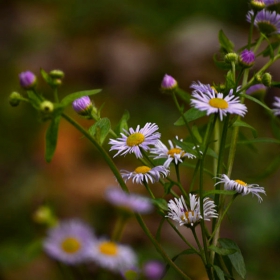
(266, 79)
(257, 5)
(231, 57)
(27, 79)
(44, 215)
(153, 270)
(256, 89)
(56, 74)
(15, 98)
(46, 106)
(247, 58)
(83, 106)
(168, 83)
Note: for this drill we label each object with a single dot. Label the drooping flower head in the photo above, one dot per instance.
(168, 83)
(133, 141)
(145, 174)
(153, 270)
(128, 201)
(68, 242)
(112, 256)
(175, 154)
(247, 58)
(267, 22)
(27, 79)
(83, 105)
(189, 216)
(241, 187)
(257, 88)
(276, 105)
(205, 99)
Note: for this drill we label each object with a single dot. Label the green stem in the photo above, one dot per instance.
(148, 189)
(104, 154)
(119, 227)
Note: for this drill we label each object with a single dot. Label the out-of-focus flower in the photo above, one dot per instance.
(128, 201)
(276, 104)
(247, 58)
(133, 141)
(68, 241)
(27, 79)
(145, 174)
(241, 187)
(153, 269)
(189, 216)
(112, 256)
(267, 22)
(211, 102)
(257, 88)
(175, 154)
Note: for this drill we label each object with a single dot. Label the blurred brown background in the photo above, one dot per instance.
(125, 48)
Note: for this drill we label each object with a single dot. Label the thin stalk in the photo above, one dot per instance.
(177, 169)
(119, 227)
(148, 189)
(216, 146)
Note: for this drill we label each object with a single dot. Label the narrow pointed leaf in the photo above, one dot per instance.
(160, 203)
(123, 122)
(222, 251)
(259, 140)
(191, 115)
(183, 95)
(256, 101)
(51, 138)
(226, 45)
(244, 124)
(45, 76)
(73, 96)
(100, 130)
(219, 272)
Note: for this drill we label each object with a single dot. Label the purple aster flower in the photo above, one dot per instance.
(257, 88)
(267, 22)
(271, 2)
(153, 270)
(247, 58)
(132, 202)
(83, 105)
(200, 87)
(68, 241)
(276, 105)
(132, 141)
(27, 79)
(168, 82)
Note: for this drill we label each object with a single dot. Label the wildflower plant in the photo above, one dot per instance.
(198, 206)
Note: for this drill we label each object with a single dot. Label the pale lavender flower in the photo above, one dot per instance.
(271, 2)
(212, 102)
(247, 58)
(189, 216)
(132, 141)
(276, 105)
(145, 174)
(27, 79)
(241, 187)
(257, 88)
(267, 22)
(82, 105)
(153, 269)
(68, 241)
(175, 154)
(168, 82)
(132, 202)
(112, 256)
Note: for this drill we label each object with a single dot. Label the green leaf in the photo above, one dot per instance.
(225, 192)
(230, 80)
(236, 258)
(185, 96)
(73, 96)
(100, 130)
(221, 64)
(167, 187)
(45, 76)
(275, 84)
(226, 45)
(219, 272)
(123, 122)
(222, 251)
(160, 203)
(190, 115)
(244, 124)
(255, 100)
(196, 134)
(51, 138)
(260, 140)
(269, 50)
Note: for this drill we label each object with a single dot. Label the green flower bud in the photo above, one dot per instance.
(15, 98)
(56, 74)
(46, 106)
(257, 5)
(44, 215)
(231, 57)
(266, 79)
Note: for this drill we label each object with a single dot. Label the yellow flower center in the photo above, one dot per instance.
(135, 139)
(142, 169)
(70, 245)
(183, 218)
(173, 151)
(219, 103)
(241, 182)
(108, 248)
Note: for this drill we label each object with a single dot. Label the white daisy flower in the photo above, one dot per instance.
(276, 104)
(132, 140)
(68, 242)
(241, 187)
(145, 173)
(207, 99)
(131, 202)
(112, 256)
(174, 154)
(184, 215)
